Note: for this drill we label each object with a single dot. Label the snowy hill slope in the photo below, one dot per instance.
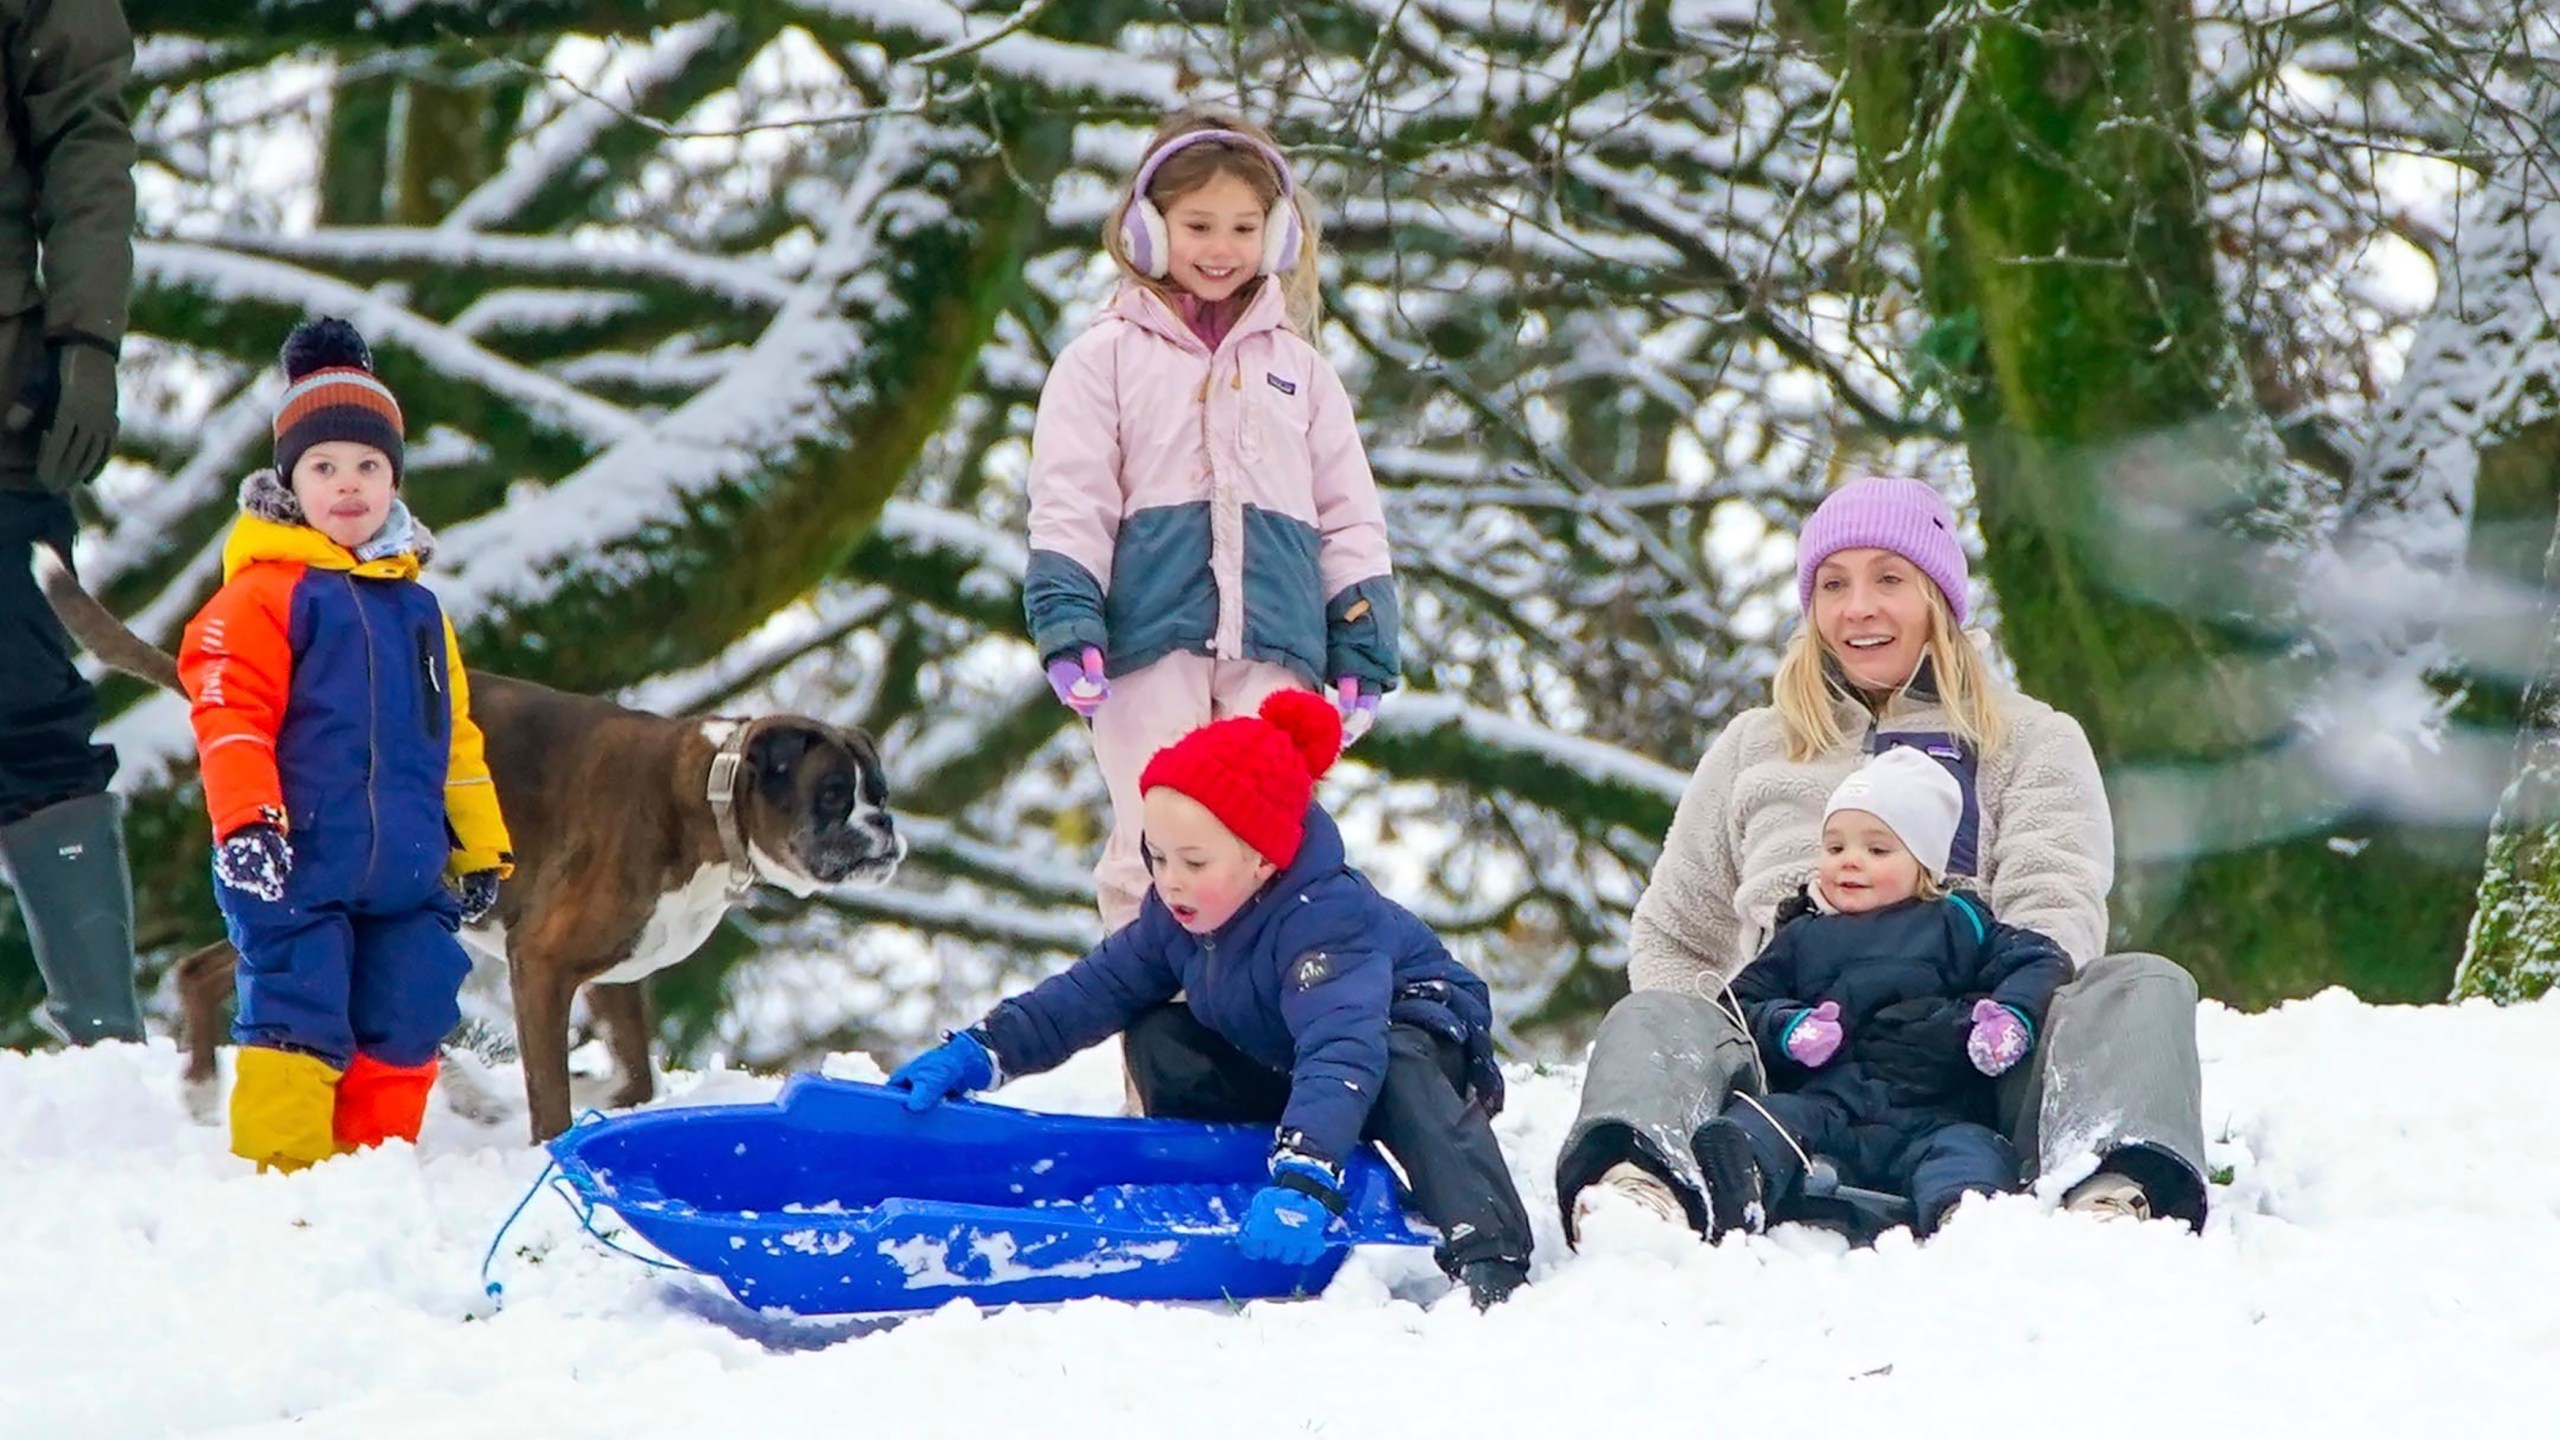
(2384, 1258)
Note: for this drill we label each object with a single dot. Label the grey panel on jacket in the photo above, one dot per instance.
(1162, 597)
(1361, 626)
(1284, 592)
(1062, 604)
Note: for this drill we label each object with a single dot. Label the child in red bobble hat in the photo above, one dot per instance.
(1307, 999)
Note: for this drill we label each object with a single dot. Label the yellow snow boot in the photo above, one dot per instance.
(283, 1108)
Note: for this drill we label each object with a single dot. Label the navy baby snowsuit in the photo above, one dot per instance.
(1932, 1143)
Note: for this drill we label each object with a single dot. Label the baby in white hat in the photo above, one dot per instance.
(1887, 832)
(1883, 1008)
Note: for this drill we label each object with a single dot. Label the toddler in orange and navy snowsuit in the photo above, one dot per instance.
(354, 823)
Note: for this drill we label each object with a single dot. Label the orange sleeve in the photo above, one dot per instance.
(237, 665)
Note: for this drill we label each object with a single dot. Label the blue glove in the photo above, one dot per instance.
(957, 1066)
(254, 860)
(1289, 1215)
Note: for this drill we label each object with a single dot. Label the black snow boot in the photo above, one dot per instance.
(67, 864)
(1490, 1282)
(1735, 1192)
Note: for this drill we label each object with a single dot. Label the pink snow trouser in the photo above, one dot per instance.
(1148, 710)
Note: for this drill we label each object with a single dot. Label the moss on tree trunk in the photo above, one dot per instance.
(2513, 948)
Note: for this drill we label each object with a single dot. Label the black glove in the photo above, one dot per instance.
(478, 892)
(1917, 1046)
(70, 398)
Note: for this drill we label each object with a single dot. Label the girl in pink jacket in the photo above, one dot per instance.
(1204, 527)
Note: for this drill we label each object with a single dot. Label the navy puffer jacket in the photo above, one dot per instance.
(1306, 979)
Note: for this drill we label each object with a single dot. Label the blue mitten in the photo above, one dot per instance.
(957, 1066)
(254, 860)
(1289, 1215)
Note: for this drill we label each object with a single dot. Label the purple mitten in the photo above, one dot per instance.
(1815, 1036)
(1080, 685)
(1359, 707)
(1999, 1038)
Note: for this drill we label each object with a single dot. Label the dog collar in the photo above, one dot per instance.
(726, 764)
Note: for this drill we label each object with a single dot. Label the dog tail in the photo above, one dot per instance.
(97, 628)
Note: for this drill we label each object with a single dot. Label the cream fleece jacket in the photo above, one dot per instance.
(1748, 830)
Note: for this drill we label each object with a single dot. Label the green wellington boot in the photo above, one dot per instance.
(67, 864)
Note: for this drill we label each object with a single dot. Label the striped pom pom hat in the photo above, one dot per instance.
(333, 395)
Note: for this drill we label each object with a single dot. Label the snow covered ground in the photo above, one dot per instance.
(2384, 1259)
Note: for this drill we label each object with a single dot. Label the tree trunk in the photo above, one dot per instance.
(445, 146)
(756, 490)
(759, 506)
(355, 155)
(2513, 950)
(2040, 161)
(2478, 426)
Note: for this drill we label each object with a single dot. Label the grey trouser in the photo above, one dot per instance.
(2114, 1074)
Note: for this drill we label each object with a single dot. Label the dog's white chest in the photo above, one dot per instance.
(677, 925)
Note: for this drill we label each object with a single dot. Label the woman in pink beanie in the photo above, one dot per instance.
(1882, 659)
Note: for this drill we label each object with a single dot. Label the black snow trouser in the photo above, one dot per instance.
(47, 711)
(1184, 1070)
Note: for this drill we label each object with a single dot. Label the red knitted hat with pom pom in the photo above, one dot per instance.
(1256, 773)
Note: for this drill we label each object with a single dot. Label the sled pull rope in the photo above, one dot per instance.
(1759, 1062)
(1754, 1102)
(491, 1288)
(585, 1212)
(1734, 1008)
(587, 1222)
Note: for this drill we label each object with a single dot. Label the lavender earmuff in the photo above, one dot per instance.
(1149, 245)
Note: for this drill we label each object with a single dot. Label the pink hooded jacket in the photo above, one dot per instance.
(1216, 502)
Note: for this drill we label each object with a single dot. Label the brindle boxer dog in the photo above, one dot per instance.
(634, 834)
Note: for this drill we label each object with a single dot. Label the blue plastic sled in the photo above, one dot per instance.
(835, 1199)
